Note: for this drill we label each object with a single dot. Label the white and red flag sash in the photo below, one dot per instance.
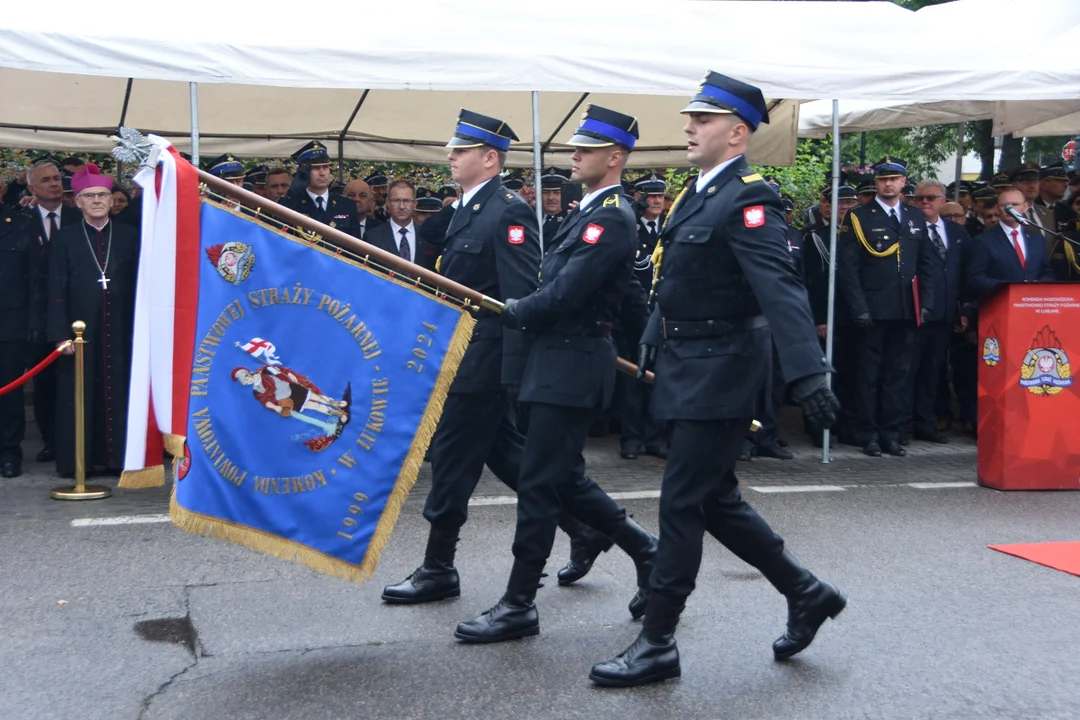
(166, 303)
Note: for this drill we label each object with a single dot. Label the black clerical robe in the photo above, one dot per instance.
(76, 293)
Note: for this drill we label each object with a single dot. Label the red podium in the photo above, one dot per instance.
(1029, 402)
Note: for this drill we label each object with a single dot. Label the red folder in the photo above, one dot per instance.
(915, 294)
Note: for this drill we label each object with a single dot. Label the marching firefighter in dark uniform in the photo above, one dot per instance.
(640, 430)
(883, 248)
(491, 245)
(725, 289)
(315, 200)
(570, 374)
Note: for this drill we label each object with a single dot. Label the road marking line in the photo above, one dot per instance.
(798, 488)
(512, 499)
(936, 485)
(120, 520)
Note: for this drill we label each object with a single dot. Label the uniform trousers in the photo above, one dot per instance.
(931, 348)
(13, 404)
(477, 429)
(639, 427)
(700, 493)
(45, 397)
(882, 363)
(770, 400)
(965, 377)
(552, 483)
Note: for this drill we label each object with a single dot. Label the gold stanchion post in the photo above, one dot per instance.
(80, 491)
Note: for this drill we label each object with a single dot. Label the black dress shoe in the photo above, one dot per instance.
(656, 451)
(774, 451)
(586, 545)
(904, 440)
(47, 454)
(744, 455)
(892, 447)
(934, 437)
(436, 579)
(514, 616)
(10, 470)
(653, 657)
(810, 603)
(628, 454)
(782, 442)
(872, 449)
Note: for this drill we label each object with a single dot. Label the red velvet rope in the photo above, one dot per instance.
(18, 382)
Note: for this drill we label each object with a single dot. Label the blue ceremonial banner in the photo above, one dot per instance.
(316, 385)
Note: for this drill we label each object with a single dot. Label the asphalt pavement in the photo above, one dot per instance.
(146, 621)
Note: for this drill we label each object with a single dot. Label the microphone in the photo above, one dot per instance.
(1015, 215)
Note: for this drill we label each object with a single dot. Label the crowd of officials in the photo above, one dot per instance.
(900, 374)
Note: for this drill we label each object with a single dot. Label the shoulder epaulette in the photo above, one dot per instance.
(752, 177)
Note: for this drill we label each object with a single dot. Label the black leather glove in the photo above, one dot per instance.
(509, 317)
(818, 402)
(863, 321)
(924, 315)
(646, 358)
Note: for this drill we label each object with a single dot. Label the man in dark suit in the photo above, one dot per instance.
(725, 290)
(932, 338)
(1007, 252)
(570, 374)
(883, 246)
(42, 220)
(491, 245)
(315, 200)
(399, 234)
(359, 192)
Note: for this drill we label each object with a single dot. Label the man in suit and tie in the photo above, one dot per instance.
(399, 234)
(360, 193)
(932, 338)
(42, 220)
(1007, 252)
(315, 200)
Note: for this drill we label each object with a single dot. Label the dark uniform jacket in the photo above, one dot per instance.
(1065, 256)
(552, 224)
(949, 274)
(583, 282)
(881, 286)
(492, 245)
(993, 261)
(340, 212)
(643, 264)
(726, 259)
(20, 256)
(812, 260)
(33, 226)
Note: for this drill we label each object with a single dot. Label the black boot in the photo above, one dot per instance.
(586, 545)
(641, 546)
(653, 657)
(514, 616)
(810, 603)
(436, 579)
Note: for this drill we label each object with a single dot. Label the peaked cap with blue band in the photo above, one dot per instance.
(888, 167)
(476, 130)
(721, 94)
(601, 127)
(314, 154)
(651, 184)
(226, 167)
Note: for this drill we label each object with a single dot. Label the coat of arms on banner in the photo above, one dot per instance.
(232, 260)
(1045, 370)
(991, 350)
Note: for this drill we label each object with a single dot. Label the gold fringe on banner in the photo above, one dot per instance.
(150, 477)
(317, 560)
(174, 444)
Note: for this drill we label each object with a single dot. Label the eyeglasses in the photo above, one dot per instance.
(95, 196)
(928, 198)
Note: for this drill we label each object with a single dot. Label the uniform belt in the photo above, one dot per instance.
(710, 328)
(593, 329)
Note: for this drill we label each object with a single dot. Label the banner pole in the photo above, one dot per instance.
(830, 313)
(81, 491)
(537, 168)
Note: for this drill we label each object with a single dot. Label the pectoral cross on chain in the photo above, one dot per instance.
(104, 282)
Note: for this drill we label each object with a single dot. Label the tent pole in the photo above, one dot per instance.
(833, 224)
(959, 160)
(194, 87)
(537, 162)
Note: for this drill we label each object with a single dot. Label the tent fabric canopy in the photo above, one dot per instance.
(264, 88)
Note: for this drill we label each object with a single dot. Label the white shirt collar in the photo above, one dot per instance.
(45, 213)
(706, 178)
(593, 195)
(466, 197)
(887, 209)
(325, 196)
(397, 228)
(645, 222)
(1009, 231)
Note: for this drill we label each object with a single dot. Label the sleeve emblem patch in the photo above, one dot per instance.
(516, 234)
(592, 233)
(754, 216)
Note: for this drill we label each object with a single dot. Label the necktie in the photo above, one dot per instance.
(939, 244)
(360, 231)
(319, 203)
(893, 216)
(652, 229)
(403, 248)
(1019, 251)
(53, 227)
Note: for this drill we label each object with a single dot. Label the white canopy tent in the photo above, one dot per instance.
(263, 90)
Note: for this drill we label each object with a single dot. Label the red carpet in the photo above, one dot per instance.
(1063, 556)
